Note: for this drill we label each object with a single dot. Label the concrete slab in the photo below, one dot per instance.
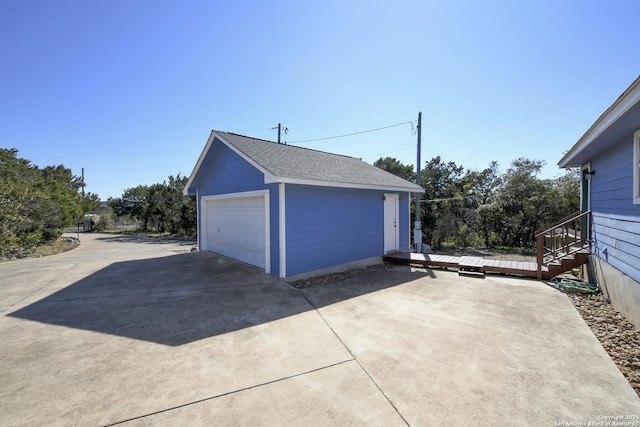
(451, 350)
(142, 335)
(134, 331)
(339, 395)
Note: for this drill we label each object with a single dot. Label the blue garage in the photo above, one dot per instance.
(293, 211)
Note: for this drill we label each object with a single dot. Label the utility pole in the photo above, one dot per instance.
(279, 127)
(83, 184)
(417, 225)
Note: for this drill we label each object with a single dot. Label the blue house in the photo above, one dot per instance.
(296, 212)
(609, 156)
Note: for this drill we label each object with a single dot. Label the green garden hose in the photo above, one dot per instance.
(575, 286)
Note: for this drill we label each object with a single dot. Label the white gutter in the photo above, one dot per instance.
(628, 99)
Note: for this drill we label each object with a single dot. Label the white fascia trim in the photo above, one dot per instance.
(282, 227)
(203, 154)
(269, 178)
(609, 117)
(275, 179)
(205, 151)
(267, 216)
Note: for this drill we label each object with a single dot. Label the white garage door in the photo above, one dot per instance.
(235, 227)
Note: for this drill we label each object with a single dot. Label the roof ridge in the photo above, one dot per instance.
(287, 145)
(304, 166)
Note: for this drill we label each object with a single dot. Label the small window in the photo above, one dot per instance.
(636, 167)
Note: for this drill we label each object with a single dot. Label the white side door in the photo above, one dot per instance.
(391, 230)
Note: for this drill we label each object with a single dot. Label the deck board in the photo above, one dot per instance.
(469, 261)
(510, 267)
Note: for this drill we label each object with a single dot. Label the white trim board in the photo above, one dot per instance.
(282, 228)
(628, 99)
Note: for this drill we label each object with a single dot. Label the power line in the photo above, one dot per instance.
(120, 141)
(350, 134)
(140, 169)
(110, 153)
(378, 153)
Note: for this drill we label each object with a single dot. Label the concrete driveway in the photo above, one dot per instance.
(126, 331)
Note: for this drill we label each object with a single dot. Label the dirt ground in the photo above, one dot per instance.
(488, 253)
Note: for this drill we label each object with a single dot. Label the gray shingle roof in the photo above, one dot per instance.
(298, 163)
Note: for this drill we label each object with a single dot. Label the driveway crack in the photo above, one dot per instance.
(355, 359)
(195, 402)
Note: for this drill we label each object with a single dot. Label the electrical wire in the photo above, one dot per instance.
(350, 134)
(121, 141)
(117, 141)
(379, 154)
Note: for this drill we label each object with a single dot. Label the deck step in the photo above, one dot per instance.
(473, 266)
(472, 273)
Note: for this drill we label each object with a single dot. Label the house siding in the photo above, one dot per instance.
(405, 221)
(617, 246)
(331, 226)
(225, 172)
(607, 149)
(616, 220)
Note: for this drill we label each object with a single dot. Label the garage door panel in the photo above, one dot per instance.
(236, 228)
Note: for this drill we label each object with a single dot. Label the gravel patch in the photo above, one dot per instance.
(616, 334)
(336, 277)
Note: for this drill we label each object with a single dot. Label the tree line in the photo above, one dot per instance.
(36, 204)
(159, 207)
(464, 208)
(487, 208)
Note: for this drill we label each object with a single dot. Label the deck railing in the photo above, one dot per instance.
(571, 235)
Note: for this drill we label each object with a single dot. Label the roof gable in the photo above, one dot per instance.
(622, 117)
(298, 165)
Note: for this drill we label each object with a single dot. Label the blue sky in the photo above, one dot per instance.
(130, 90)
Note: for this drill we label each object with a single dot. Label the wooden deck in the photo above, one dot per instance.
(466, 264)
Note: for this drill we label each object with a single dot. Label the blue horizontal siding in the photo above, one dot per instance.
(616, 240)
(332, 226)
(225, 172)
(616, 220)
(612, 184)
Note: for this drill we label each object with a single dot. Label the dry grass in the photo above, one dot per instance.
(488, 253)
(63, 244)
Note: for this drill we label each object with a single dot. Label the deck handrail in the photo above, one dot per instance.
(564, 242)
(563, 221)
